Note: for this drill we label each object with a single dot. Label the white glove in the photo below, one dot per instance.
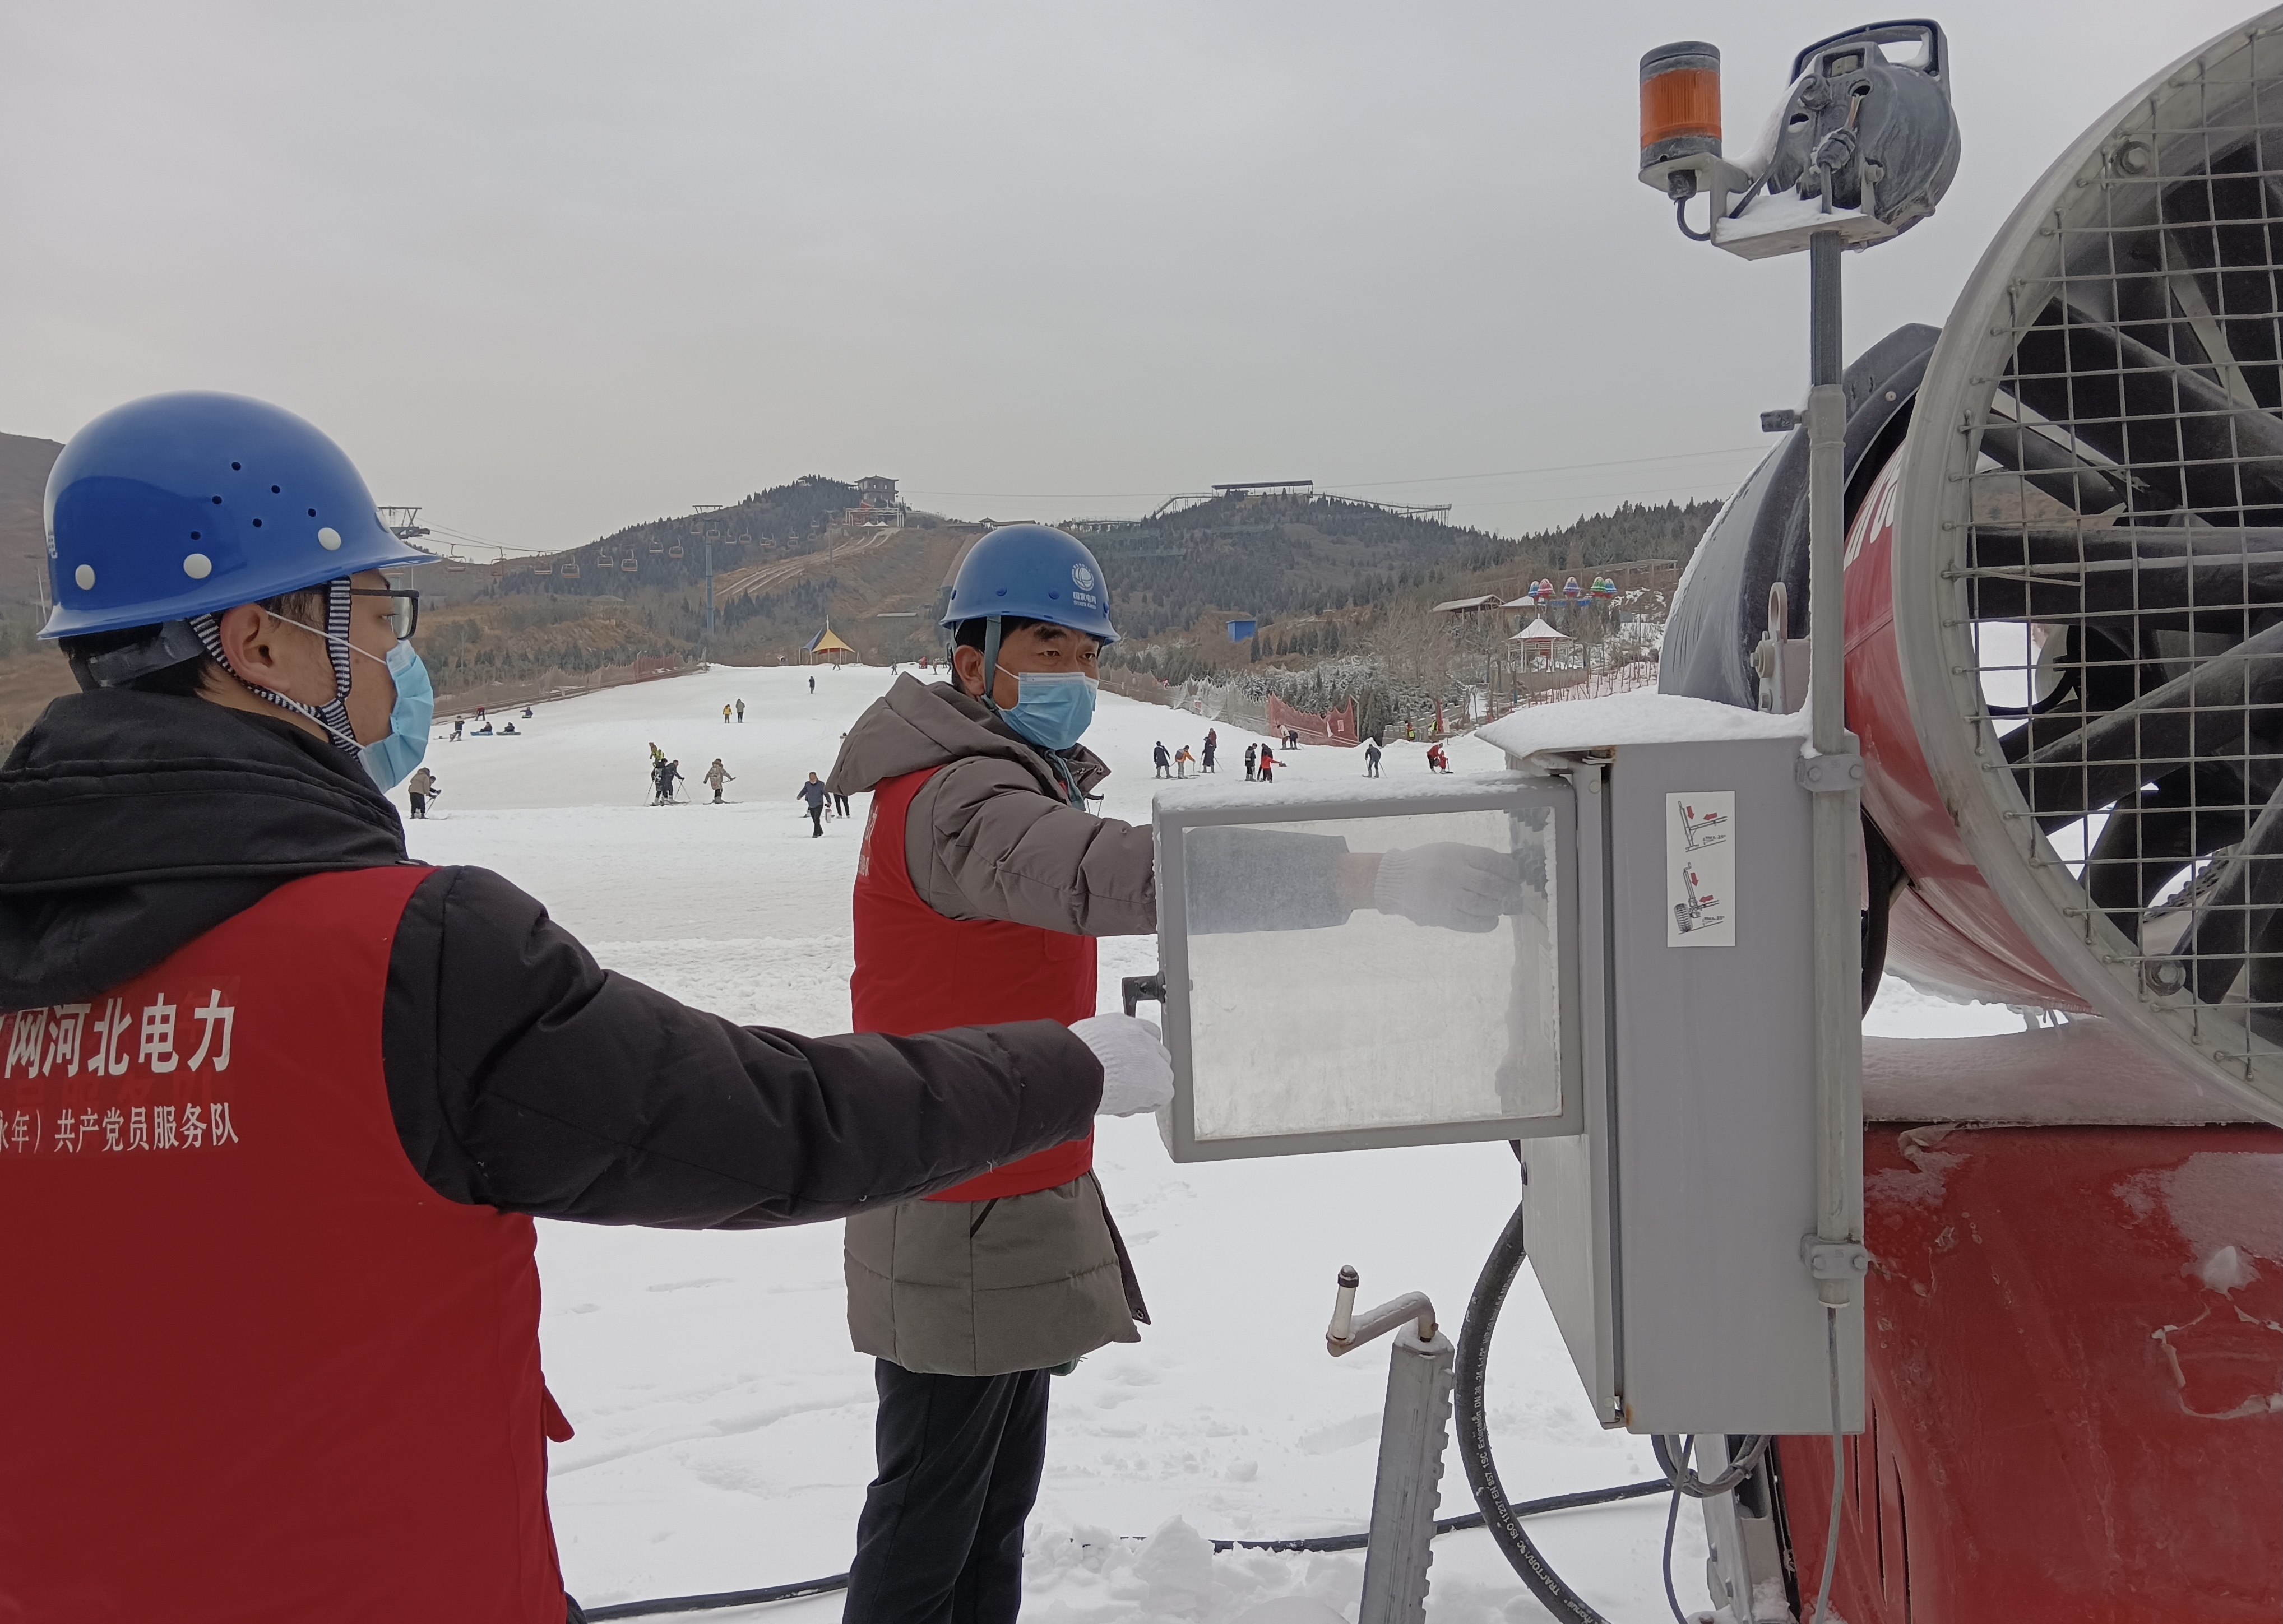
(1457, 887)
(1137, 1073)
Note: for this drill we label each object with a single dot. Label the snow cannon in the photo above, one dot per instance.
(2064, 661)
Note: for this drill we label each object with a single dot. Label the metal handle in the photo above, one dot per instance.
(1134, 989)
(1350, 1330)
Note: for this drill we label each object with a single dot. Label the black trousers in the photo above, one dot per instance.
(817, 820)
(940, 1541)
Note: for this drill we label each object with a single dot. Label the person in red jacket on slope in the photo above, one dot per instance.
(278, 1105)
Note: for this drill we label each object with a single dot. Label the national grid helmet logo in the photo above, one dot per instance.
(1082, 578)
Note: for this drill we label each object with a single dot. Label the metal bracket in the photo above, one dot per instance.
(1135, 989)
(1779, 422)
(1835, 1259)
(1828, 774)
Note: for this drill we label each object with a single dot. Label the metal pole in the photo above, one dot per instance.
(709, 590)
(1835, 773)
(1407, 1490)
(1413, 1430)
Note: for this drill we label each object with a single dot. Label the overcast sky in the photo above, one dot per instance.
(549, 269)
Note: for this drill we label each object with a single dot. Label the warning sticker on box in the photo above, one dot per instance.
(1700, 869)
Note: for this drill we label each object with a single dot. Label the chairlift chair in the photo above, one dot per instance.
(570, 571)
(542, 569)
(675, 551)
(455, 565)
(631, 565)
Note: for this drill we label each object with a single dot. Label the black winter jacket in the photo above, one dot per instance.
(521, 1075)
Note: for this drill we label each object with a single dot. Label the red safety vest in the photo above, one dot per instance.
(252, 1367)
(919, 971)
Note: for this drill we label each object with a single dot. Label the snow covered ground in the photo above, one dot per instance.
(723, 1423)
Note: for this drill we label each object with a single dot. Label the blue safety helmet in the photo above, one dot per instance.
(181, 505)
(1035, 572)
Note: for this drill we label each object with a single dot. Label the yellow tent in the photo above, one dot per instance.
(826, 645)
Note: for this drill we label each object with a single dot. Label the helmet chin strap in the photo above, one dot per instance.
(991, 629)
(333, 715)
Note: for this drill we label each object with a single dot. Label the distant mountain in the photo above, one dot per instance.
(1267, 556)
(1320, 573)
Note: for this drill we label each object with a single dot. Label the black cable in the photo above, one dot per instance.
(1671, 1521)
(1468, 1419)
(724, 1598)
(1329, 1541)
(1742, 1464)
(1456, 1525)
(1680, 217)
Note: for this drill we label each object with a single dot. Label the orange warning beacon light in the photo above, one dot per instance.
(1679, 102)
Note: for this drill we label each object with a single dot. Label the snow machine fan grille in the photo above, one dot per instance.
(2091, 617)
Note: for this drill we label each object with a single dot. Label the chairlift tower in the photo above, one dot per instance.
(707, 535)
(402, 523)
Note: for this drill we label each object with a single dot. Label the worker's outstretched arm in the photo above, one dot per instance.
(523, 1075)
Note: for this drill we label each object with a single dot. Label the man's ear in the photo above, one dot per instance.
(243, 632)
(967, 669)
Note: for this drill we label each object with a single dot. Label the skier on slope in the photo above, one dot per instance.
(716, 776)
(1371, 754)
(813, 792)
(283, 1312)
(1164, 763)
(1251, 761)
(419, 789)
(981, 885)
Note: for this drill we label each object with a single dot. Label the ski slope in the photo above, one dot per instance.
(723, 1423)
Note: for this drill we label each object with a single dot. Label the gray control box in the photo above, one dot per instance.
(1667, 1233)
(1642, 1016)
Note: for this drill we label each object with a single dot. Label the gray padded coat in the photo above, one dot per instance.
(981, 1288)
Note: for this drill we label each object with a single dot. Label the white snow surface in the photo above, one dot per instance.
(724, 1426)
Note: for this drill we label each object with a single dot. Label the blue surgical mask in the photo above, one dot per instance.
(1053, 709)
(389, 761)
